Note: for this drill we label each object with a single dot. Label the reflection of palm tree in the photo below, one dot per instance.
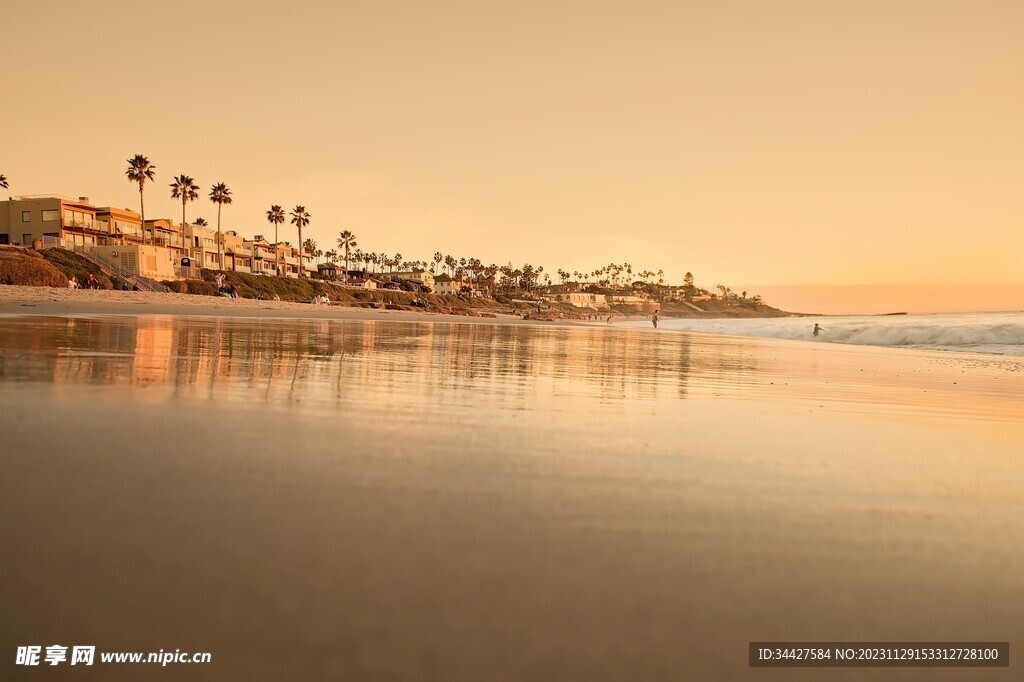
(300, 218)
(139, 170)
(276, 216)
(186, 189)
(220, 195)
(346, 240)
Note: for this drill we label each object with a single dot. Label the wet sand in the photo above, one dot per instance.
(369, 500)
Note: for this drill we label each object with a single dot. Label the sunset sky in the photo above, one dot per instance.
(753, 143)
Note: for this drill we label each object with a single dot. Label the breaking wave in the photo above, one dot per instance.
(1001, 334)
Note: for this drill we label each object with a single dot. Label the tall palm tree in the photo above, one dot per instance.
(186, 189)
(3, 181)
(139, 170)
(300, 218)
(220, 195)
(346, 240)
(437, 260)
(276, 216)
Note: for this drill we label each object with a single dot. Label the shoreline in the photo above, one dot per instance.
(31, 300)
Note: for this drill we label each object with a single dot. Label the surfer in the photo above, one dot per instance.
(817, 329)
(654, 319)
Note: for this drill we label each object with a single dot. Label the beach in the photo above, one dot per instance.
(391, 495)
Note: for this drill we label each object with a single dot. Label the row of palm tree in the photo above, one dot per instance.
(140, 170)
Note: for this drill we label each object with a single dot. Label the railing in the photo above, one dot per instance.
(51, 243)
(110, 267)
(172, 242)
(80, 224)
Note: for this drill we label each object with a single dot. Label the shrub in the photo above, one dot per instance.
(29, 270)
(73, 265)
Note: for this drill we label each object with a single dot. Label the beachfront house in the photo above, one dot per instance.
(445, 284)
(26, 220)
(202, 243)
(264, 256)
(580, 299)
(423, 277)
(327, 271)
(237, 254)
(121, 225)
(362, 282)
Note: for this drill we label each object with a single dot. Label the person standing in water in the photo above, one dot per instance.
(654, 319)
(817, 329)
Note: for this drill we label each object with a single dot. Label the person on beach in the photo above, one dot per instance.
(817, 329)
(609, 319)
(93, 283)
(72, 283)
(654, 319)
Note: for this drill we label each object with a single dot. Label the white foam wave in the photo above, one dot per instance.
(1001, 334)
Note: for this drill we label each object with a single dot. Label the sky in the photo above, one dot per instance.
(782, 144)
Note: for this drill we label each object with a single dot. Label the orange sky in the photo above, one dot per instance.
(781, 143)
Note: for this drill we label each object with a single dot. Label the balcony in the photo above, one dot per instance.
(239, 250)
(75, 224)
(174, 242)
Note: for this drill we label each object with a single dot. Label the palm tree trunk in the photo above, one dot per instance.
(182, 218)
(220, 252)
(302, 266)
(277, 254)
(346, 263)
(142, 213)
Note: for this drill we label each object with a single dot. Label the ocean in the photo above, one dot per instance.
(989, 333)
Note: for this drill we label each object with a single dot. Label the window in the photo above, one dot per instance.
(26, 216)
(50, 215)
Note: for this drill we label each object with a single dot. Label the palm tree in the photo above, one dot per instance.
(276, 216)
(300, 218)
(3, 181)
(437, 260)
(220, 195)
(201, 222)
(139, 170)
(346, 240)
(186, 189)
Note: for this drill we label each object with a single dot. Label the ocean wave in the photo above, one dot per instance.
(981, 333)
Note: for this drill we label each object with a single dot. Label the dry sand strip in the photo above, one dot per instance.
(22, 300)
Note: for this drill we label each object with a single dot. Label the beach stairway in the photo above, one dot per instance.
(699, 310)
(112, 268)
